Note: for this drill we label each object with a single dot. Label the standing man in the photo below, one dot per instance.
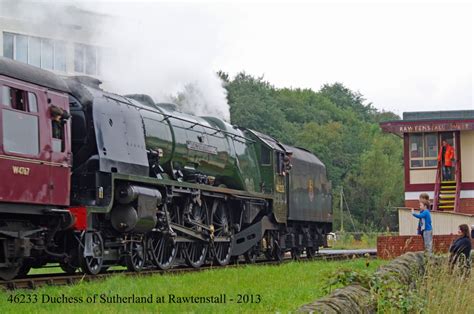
(446, 157)
(425, 224)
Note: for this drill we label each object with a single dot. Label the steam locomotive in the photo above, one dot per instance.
(121, 180)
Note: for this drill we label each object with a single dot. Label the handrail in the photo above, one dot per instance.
(437, 187)
(457, 200)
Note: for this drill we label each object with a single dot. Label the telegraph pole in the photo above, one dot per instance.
(342, 208)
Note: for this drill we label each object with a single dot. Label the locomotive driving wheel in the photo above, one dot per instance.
(136, 257)
(221, 221)
(161, 244)
(195, 217)
(91, 251)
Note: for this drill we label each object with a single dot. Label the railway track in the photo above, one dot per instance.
(61, 279)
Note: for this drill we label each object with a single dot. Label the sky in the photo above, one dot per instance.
(402, 56)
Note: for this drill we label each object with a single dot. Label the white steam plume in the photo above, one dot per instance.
(151, 49)
(148, 48)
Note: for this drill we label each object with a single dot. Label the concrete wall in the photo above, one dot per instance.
(443, 222)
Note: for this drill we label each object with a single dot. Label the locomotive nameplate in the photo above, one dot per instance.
(200, 147)
(23, 171)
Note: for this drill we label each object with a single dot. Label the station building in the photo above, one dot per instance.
(423, 133)
(53, 36)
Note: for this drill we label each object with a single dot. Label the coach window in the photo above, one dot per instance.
(20, 126)
(423, 150)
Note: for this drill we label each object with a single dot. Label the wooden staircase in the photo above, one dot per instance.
(447, 196)
(447, 193)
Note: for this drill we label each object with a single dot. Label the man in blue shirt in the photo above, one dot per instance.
(425, 225)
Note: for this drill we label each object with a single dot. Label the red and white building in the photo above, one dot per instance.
(422, 134)
(453, 200)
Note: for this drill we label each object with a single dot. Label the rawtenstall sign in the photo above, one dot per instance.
(423, 127)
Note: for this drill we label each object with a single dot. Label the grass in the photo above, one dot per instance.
(281, 288)
(349, 241)
(446, 291)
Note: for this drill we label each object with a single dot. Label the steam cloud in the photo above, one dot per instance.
(148, 48)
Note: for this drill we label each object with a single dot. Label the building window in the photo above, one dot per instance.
(41, 52)
(86, 59)
(423, 150)
(8, 45)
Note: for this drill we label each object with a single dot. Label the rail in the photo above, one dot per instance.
(61, 279)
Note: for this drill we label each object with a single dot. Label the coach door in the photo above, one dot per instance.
(60, 160)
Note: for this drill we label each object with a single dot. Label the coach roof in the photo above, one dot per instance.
(32, 74)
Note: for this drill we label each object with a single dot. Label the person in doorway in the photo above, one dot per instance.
(460, 250)
(425, 227)
(446, 157)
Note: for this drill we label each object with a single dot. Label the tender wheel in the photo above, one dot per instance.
(162, 247)
(296, 254)
(135, 259)
(252, 254)
(310, 252)
(221, 221)
(195, 252)
(278, 253)
(92, 247)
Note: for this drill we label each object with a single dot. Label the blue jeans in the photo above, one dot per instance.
(428, 240)
(447, 173)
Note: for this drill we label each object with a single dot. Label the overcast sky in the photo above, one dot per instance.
(401, 56)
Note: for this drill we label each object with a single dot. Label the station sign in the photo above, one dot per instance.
(424, 127)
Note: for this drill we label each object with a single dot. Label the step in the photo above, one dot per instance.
(451, 196)
(448, 182)
(448, 192)
(446, 207)
(447, 202)
(448, 186)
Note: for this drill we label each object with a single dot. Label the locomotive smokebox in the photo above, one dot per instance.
(136, 210)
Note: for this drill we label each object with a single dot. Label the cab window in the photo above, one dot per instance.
(19, 99)
(19, 121)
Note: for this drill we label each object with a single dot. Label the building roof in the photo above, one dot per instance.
(431, 121)
(439, 115)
